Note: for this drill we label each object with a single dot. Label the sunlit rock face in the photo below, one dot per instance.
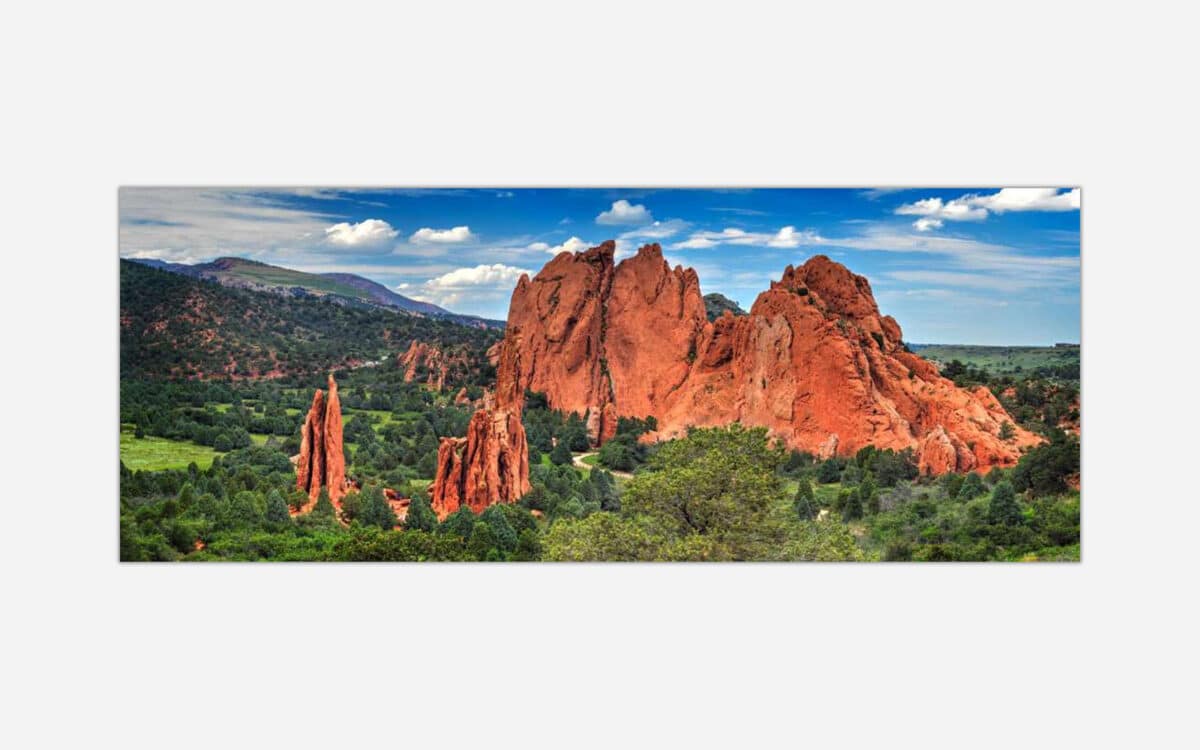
(813, 361)
(322, 461)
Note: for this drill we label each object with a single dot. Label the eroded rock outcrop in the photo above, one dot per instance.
(429, 364)
(322, 461)
(814, 361)
(490, 465)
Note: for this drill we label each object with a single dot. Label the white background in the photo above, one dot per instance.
(97, 95)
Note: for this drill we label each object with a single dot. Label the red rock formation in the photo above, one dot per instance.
(490, 465)
(814, 361)
(437, 363)
(322, 461)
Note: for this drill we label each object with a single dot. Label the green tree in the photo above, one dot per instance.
(1006, 431)
(376, 511)
(830, 471)
(529, 547)
(503, 533)
(972, 487)
(561, 455)
(1003, 508)
(277, 509)
(868, 496)
(718, 481)
(853, 508)
(420, 514)
(805, 502)
(324, 507)
(460, 523)
(481, 542)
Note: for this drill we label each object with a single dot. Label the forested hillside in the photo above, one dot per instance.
(175, 326)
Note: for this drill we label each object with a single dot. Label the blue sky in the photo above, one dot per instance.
(969, 265)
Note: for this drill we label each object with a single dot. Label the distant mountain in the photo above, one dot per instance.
(185, 325)
(715, 306)
(344, 288)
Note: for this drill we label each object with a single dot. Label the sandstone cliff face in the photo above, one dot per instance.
(814, 361)
(436, 364)
(322, 462)
(490, 465)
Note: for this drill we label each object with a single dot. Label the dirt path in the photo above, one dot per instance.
(577, 459)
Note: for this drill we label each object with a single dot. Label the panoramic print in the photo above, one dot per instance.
(601, 374)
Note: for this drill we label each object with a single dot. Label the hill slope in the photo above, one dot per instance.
(181, 326)
(345, 288)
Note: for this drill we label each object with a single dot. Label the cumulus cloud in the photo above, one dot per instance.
(364, 233)
(977, 207)
(442, 236)
(624, 212)
(476, 285)
(787, 237)
(572, 245)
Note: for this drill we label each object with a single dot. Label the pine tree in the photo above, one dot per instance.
(324, 507)
(420, 515)
(853, 508)
(481, 542)
(805, 502)
(375, 509)
(561, 455)
(277, 509)
(1003, 507)
(829, 471)
(867, 495)
(972, 487)
(502, 531)
(461, 522)
(529, 547)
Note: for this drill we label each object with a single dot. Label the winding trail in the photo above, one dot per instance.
(577, 459)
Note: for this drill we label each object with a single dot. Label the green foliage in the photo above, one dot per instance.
(1045, 469)
(324, 507)
(375, 510)
(168, 321)
(805, 502)
(420, 515)
(972, 487)
(852, 507)
(277, 509)
(1003, 508)
(830, 470)
(459, 523)
(561, 454)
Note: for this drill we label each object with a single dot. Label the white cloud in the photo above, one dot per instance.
(364, 233)
(658, 230)
(976, 207)
(624, 212)
(787, 237)
(538, 246)
(198, 224)
(955, 210)
(572, 245)
(442, 236)
(1028, 199)
(475, 285)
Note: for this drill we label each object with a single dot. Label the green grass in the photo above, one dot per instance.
(155, 453)
(592, 460)
(1001, 360)
(273, 276)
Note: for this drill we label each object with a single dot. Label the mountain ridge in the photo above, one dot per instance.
(243, 273)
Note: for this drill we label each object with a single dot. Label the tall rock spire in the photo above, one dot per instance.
(322, 462)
